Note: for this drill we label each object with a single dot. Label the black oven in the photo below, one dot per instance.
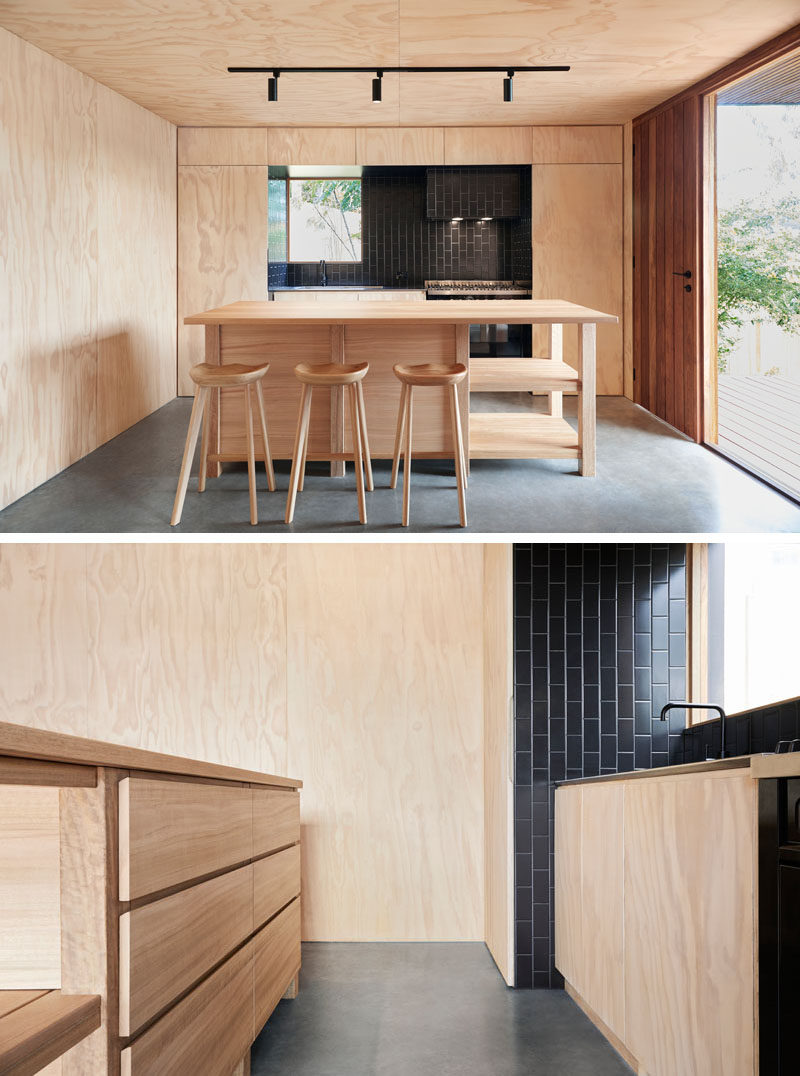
(488, 341)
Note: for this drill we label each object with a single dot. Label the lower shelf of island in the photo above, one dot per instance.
(497, 435)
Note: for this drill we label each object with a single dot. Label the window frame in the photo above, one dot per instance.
(320, 179)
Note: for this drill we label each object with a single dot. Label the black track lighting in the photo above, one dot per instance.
(508, 87)
(377, 85)
(272, 86)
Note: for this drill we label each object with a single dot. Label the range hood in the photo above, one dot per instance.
(472, 193)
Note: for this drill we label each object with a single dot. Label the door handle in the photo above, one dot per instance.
(687, 273)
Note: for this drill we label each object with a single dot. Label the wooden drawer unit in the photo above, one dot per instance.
(209, 1031)
(276, 960)
(167, 946)
(174, 831)
(276, 819)
(276, 880)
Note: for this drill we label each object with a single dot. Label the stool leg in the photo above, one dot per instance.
(458, 453)
(188, 452)
(265, 438)
(355, 426)
(201, 478)
(407, 461)
(299, 450)
(398, 437)
(302, 481)
(251, 455)
(364, 437)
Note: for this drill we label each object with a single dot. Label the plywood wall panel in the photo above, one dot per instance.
(48, 290)
(576, 145)
(223, 145)
(400, 145)
(312, 145)
(385, 693)
(577, 254)
(222, 249)
(487, 145)
(137, 209)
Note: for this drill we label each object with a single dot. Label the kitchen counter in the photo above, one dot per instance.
(285, 333)
(737, 762)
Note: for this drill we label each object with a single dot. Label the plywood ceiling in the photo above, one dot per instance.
(170, 55)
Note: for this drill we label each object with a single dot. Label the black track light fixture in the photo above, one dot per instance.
(377, 85)
(272, 86)
(508, 87)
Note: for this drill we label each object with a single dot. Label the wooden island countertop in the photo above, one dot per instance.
(382, 334)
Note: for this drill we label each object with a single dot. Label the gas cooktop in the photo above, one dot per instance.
(485, 289)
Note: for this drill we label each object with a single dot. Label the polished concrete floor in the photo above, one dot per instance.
(424, 1010)
(649, 479)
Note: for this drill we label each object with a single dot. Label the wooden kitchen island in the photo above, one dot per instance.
(383, 334)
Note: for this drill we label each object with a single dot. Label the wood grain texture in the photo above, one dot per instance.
(276, 881)
(627, 263)
(291, 145)
(568, 886)
(222, 247)
(577, 252)
(385, 657)
(693, 902)
(498, 785)
(576, 145)
(36, 1034)
(154, 682)
(30, 933)
(276, 819)
(170, 944)
(223, 145)
(15, 999)
(208, 1031)
(276, 961)
(48, 298)
(175, 831)
(23, 771)
(602, 902)
(137, 218)
(493, 145)
(401, 145)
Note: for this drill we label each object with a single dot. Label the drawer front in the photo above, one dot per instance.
(208, 1032)
(276, 819)
(170, 944)
(276, 880)
(174, 831)
(276, 960)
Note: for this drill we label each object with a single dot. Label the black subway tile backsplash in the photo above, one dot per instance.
(599, 640)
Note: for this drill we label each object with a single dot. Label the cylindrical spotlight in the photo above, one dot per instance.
(508, 87)
(377, 86)
(272, 86)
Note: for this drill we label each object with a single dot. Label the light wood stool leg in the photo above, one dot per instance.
(398, 437)
(201, 478)
(188, 452)
(304, 460)
(265, 438)
(299, 450)
(251, 455)
(407, 461)
(458, 445)
(355, 426)
(364, 437)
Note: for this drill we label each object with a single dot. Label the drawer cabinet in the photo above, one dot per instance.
(276, 958)
(276, 819)
(276, 880)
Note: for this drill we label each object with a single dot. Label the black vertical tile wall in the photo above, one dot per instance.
(599, 647)
(402, 247)
(746, 733)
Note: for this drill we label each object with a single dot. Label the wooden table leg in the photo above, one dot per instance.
(555, 400)
(587, 402)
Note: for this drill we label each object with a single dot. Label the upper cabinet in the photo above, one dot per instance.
(223, 145)
(312, 145)
(576, 145)
(487, 145)
(400, 145)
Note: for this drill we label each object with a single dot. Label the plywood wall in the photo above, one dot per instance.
(87, 297)
(357, 668)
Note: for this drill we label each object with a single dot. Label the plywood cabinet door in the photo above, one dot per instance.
(312, 145)
(400, 145)
(568, 896)
(487, 145)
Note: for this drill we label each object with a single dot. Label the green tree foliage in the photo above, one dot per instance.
(758, 269)
(333, 201)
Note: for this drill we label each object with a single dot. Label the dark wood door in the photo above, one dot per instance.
(667, 306)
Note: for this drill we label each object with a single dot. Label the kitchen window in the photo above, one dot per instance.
(324, 220)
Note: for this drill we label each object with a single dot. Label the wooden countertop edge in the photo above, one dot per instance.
(738, 762)
(39, 1032)
(463, 311)
(784, 765)
(21, 741)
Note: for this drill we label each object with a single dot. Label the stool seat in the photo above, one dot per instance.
(211, 376)
(430, 373)
(330, 373)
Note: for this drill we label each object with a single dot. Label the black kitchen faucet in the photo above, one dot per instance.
(700, 706)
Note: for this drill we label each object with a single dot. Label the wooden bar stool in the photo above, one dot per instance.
(334, 375)
(423, 375)
(208, 376)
